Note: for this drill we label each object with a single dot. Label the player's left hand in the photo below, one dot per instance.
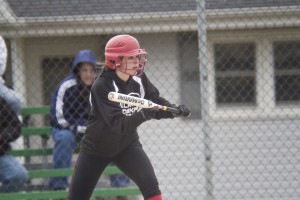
(184, 110)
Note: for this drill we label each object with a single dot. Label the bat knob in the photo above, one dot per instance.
(110, 96)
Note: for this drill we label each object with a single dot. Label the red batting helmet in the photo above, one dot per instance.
(124, 46)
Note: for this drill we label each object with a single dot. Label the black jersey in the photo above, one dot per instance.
(113, 126)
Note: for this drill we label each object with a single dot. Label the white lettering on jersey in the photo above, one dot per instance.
(128, 110)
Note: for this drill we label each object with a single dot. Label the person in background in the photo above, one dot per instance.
(119, 180)
(13, 174)
(9, 95)
(70, 109)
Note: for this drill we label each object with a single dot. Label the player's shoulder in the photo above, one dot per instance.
(102, 84)
(142, 77)
(101, 81)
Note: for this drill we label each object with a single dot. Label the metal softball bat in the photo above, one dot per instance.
(139, 102)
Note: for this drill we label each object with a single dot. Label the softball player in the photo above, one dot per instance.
(111, 134)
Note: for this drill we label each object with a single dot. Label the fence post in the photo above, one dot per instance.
(202, 43)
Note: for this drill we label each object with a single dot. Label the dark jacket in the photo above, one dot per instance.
(113, 126)
(70, 102)
(10, 126)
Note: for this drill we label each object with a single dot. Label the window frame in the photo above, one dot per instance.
(235, 73)
(284, 72)
(266, 107)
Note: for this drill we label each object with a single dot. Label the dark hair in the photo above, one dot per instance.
(101, 69)
(76, 69)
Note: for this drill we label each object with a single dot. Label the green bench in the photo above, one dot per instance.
(45, 172)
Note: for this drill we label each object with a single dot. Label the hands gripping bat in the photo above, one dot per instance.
(139, 102)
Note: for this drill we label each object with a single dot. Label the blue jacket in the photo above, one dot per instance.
(70, 103)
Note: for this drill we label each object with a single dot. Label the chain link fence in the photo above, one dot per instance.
(235, 63)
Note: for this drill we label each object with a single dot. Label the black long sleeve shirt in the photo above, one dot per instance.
(113, 126)
(10, 126)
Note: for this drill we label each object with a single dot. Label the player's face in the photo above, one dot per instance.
(130, 65)
(87, 74)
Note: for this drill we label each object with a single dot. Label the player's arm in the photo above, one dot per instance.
(75, 123)
(153, 95)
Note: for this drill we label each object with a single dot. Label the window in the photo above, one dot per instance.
(287, 71)
(54, 71)
(235, 73)
(189, 72)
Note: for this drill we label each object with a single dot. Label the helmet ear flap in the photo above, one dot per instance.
(115, 63)
(111, 64)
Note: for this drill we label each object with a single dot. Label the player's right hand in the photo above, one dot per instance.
(149, 113)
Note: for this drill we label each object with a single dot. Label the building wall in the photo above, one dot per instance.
(256, 159)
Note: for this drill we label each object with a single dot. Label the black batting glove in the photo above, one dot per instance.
(184, 110)
(149, 113)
